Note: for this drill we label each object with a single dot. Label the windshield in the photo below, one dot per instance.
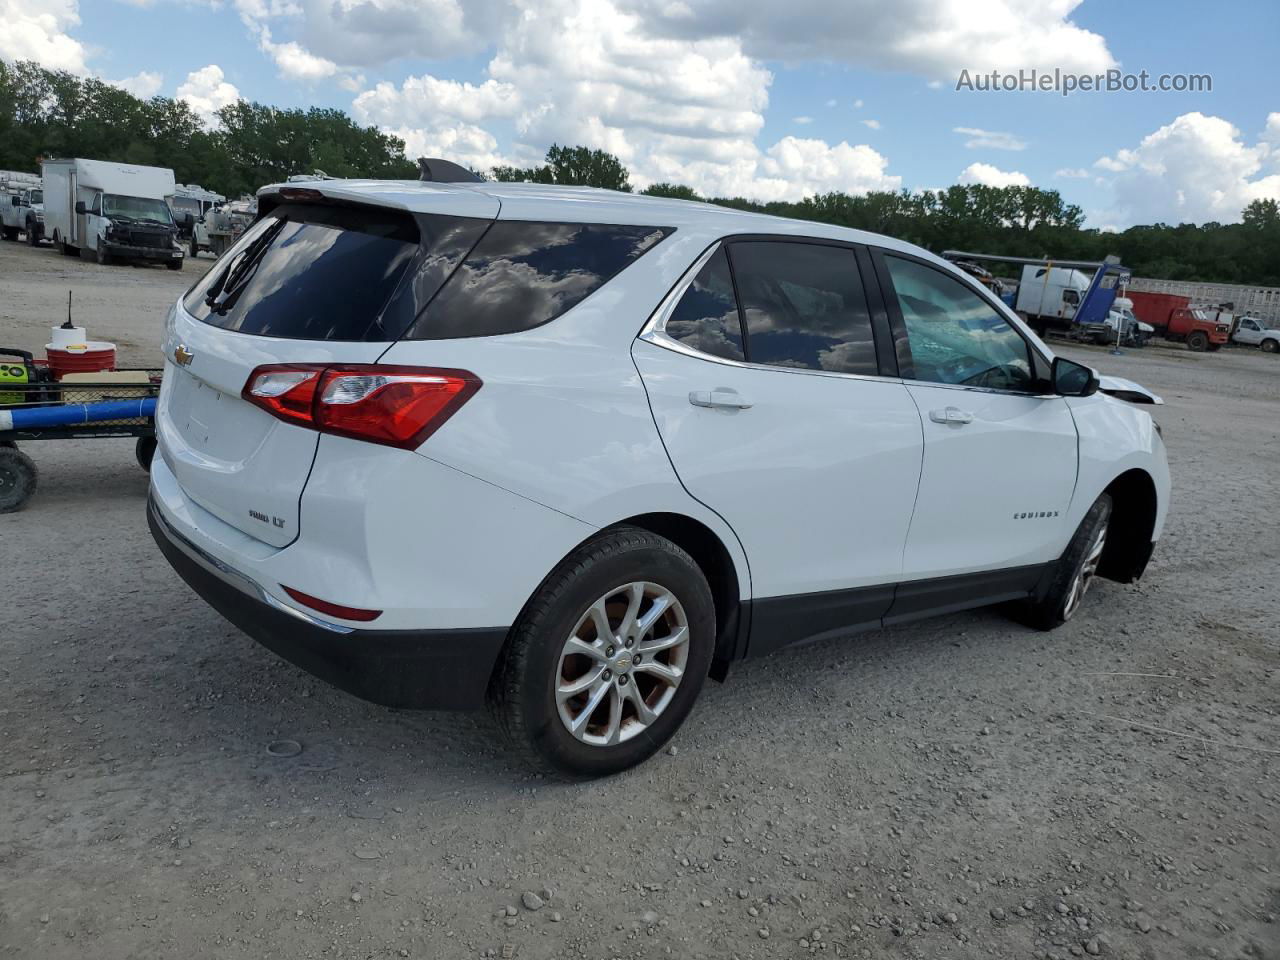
(136, 208)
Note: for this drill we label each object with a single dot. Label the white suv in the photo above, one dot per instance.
(567, 451)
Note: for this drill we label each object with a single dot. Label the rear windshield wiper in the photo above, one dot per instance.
(231, 282)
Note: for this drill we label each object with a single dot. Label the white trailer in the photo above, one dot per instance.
(104, 211)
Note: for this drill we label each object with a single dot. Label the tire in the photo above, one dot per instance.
(33, 235)
(144, 450)
(101, 255)
(1198, 341)
(1074, 571)
(174, 264)
(623, 570)
(17, 479)
(10, 233)
(195, 248)
(1270, 346)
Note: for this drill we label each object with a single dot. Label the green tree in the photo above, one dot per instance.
(572, 166)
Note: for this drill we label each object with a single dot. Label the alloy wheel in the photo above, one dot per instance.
(1085, 574)
(621, 664)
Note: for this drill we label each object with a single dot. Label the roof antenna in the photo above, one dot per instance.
(68, 325)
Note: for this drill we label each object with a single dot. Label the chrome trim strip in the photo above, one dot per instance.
(233, 576)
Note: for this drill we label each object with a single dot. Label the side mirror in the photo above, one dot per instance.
(1071, 379)
(80, 206)
(17, 201)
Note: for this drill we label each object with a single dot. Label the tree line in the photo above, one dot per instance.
(54, 113)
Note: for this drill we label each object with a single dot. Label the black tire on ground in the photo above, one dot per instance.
(102, 256)
(1270, 346)
(145, 450)
(1198, 341)
(174, 264)
(195, 248)
(17, 479)
(1056, 606)
(10, 233)
(522, 695)
(33, 235)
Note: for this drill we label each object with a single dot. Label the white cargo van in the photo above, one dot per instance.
(106, 211)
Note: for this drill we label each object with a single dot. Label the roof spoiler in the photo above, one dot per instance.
(435, 170)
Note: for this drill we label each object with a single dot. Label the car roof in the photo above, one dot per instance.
(565, 204)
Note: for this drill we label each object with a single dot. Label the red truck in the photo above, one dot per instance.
(1201, 328)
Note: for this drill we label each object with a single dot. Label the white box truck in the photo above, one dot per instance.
(1050, 294)
(108, 211)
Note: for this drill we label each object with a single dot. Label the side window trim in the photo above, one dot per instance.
(1040, 363)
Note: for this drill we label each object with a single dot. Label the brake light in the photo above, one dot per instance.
(333, 609)
(394, 405)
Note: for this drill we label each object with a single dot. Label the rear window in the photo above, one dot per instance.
(312, 273)
(523, 274)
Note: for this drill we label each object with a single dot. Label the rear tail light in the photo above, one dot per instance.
(333, 609)
(393, 405)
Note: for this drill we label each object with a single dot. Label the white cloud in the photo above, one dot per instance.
(590, 72)
(802, 120)
(990, 139)
(297, 63)
(144, 84)
(372, 32)
(37, 30)
(1072, 173)
(935, 38)
(1195, 169)
(873, 124)
(208, 91)
(831, 103)
(989, 176)
(857, 104)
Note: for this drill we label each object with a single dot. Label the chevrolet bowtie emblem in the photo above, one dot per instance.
(182, 356)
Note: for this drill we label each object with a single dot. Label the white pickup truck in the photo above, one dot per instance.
(1256, 333)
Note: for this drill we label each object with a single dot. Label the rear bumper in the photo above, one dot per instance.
(424, 669)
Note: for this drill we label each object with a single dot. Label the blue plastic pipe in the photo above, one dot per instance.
(60, 416)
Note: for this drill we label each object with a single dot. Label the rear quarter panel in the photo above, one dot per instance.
(562, 417)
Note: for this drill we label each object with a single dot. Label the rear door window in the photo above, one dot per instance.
(523, 274)
(804, 306)
(312, 273)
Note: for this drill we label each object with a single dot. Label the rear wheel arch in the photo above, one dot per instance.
(1133, 520)
(713, 558)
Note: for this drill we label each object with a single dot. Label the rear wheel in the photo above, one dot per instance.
(608, 656)
(1075, 570)
(11, 233)
(17, 479)
(1270, 346)
(1198, 341)
(144, 450)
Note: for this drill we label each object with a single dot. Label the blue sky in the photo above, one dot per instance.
(770, 101)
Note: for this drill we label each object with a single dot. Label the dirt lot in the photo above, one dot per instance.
(957, 788)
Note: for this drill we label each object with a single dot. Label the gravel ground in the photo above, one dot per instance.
(961, 787)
